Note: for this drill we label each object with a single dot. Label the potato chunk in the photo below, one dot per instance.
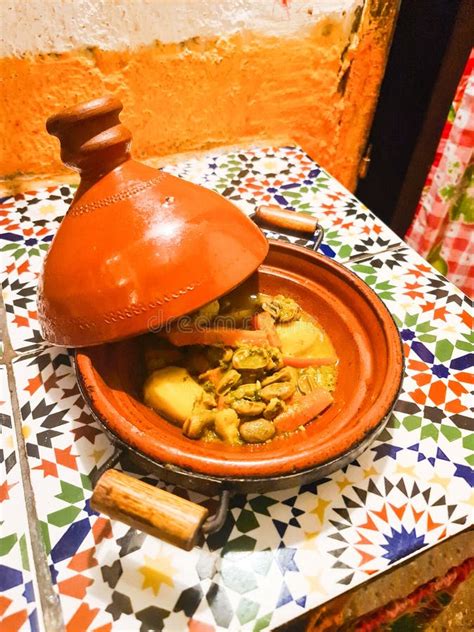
(297, 338)
(303, 338)
(172, 392)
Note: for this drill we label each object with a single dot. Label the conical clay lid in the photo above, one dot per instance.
(138, 247)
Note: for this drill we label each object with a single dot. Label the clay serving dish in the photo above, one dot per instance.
(370, 372)
(139, 248)
(367, 344)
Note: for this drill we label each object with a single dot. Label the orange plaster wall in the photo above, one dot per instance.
(208, 92)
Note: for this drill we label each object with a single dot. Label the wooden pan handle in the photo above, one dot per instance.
(149, 509)
(274, 216)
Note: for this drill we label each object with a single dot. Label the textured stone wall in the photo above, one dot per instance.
(194, 74)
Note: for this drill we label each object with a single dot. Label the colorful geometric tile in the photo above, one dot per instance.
(28, 222)
(289, 178)
(282, 175)
(435, 409)
(280, 554)
(18, 608)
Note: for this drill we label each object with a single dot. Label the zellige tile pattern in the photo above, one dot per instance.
(279, 554)
(18, 593)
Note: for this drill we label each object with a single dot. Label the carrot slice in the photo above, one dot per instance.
(301, 363)
(264, 322)
(218, 336)
(303, 410)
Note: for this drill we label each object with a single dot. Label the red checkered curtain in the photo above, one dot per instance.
(442, 228)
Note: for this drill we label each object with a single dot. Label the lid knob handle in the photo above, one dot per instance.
(93, 140)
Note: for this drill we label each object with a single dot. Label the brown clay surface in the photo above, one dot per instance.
(138, 246)
(366, 341)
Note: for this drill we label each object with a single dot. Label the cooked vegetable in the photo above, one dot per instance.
(282, 308)
(265, 322)
(195, 425)
(207, 400)
(276, 359)
(246, 391)
(282, 390)
(307, 383)
(251, 383)
(217, 336)
(227, 426)
(230, 379)
(250, 357)
(301, 363)
(303, 410)
(213, 376)
(298, 338)
(287, 374)
(274, 407)
(247, 408)
(326, 377)
(257, 431)
(226, 356)
(305, 339)
(208, 312)
(172, 392)
(323, 376)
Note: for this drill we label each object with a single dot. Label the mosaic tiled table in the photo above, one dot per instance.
(280, 554)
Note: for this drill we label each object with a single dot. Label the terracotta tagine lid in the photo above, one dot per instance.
(138, 246)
